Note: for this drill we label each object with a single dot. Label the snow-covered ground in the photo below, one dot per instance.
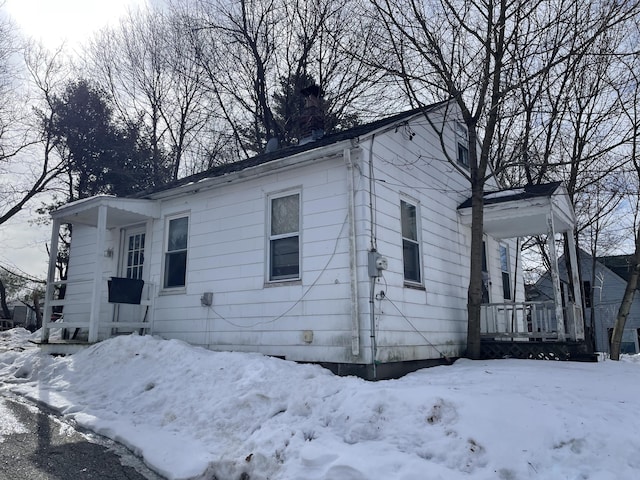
(192, 413)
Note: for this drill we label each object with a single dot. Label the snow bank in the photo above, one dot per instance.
(192, 413)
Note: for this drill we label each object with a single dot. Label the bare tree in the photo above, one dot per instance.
(632, 115)
(479, 54)
(146, 65)
(255, 50)
(28, 164)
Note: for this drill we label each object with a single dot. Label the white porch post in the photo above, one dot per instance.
(51, 278)
(94, 317)
(575, 277)
(555, 277)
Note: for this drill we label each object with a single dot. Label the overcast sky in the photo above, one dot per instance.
(22, 244)
(55, 21)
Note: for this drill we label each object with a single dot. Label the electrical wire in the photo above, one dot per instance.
(385, 297)
(304, 294)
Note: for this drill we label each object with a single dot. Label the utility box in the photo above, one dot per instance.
(377, 263)
(207, 299)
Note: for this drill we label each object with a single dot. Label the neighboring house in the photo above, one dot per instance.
(21, 316)
(350, 250)
(602, 298)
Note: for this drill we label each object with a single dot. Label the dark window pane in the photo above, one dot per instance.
(506, 286)
(175, 269)
(463, 155)
(411, 256)
(484, 257)
(587, 293)
(285, 259)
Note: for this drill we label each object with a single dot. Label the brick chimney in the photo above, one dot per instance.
(312, 117)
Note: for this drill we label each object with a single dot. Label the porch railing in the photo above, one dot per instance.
(76, 309)
(524, 320)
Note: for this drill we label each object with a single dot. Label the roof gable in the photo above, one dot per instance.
(621, 265)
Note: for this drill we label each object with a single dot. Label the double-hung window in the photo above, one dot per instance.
(506, 275)
(175, 256)
(410, 242)
(284, 237)
(462, 143)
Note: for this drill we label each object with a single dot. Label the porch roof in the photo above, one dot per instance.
(120, 211)
(524, 211)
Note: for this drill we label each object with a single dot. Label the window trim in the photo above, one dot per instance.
(165, 253)
(417, 242)
(269, 277)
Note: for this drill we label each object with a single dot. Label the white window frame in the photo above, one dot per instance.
(416, 242)
(505, 270)
(271, 238)
(166, 252)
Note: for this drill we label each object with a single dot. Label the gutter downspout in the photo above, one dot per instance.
(372, 284)
(372, 313)
(353, 263)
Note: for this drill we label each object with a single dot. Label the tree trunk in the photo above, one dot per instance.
(627, 301)
(37, 309)
(474, 297)
(3, 301)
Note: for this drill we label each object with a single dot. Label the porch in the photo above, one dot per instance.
(520, 328)
(530, 330)
(113, 298)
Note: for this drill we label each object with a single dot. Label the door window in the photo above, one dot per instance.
(135, 255)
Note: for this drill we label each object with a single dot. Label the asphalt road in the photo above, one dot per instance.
(36, 445)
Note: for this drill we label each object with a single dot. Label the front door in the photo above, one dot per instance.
(132, 266)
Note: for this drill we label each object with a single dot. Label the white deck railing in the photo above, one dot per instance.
(519, 320)
(79, 307)
(524, 320)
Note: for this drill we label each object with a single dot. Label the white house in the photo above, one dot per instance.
(349, 250)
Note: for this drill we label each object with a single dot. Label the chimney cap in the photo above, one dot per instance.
(312, 89)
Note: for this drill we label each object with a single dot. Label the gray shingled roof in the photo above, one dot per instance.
(518, 193)
(263, 158)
